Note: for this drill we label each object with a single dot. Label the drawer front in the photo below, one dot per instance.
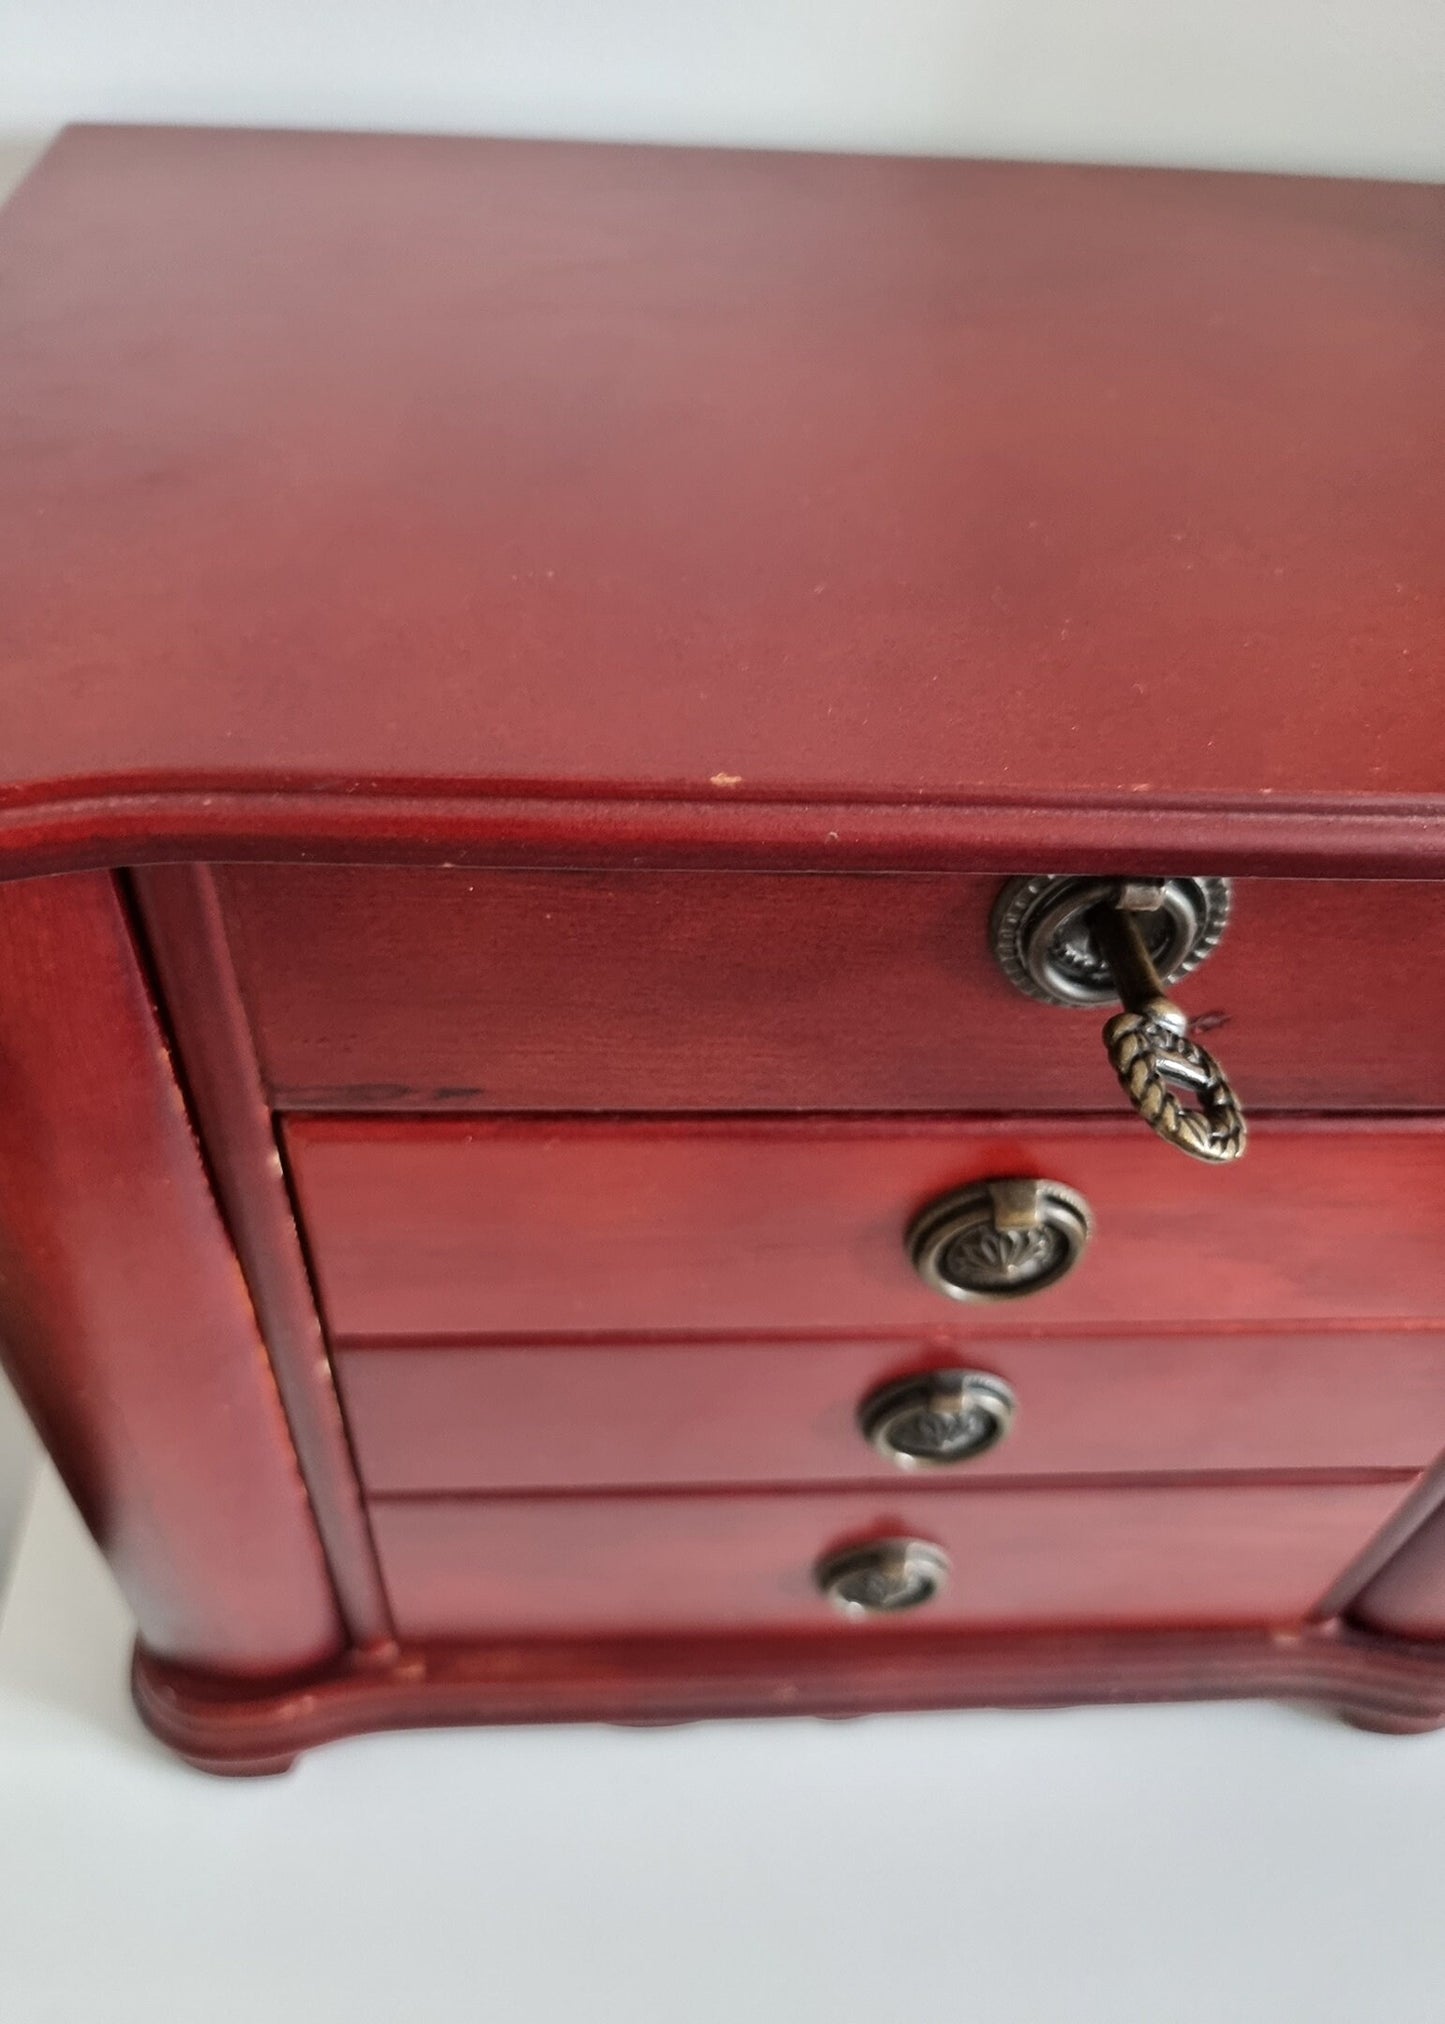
(475, 1227)
(614, 1415)
(1131, 1557)
(749, 991)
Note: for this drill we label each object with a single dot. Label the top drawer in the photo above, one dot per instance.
(677, 990)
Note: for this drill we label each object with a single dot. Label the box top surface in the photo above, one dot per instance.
(398, 465)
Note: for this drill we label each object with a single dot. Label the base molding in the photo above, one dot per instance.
(250, 1727)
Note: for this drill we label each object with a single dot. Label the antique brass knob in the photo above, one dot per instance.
(883, 1577)
(1079, 941)
(938, 1418)
(1000, 1239)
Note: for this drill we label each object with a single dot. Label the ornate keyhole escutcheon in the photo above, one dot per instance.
(1083, 941)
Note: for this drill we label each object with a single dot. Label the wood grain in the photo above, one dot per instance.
(124, 1319)
(605, 1414)
(1374, 1682)
(1406, 1598)
(452, 1227)
(1121, 1558)
(186, 942)
(727, 991)
(506, 506)
(460, 471)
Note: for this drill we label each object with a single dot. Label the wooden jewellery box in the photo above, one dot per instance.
(640, 793)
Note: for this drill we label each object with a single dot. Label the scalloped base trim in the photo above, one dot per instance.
(247, 1728)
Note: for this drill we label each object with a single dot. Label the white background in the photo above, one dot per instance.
(1225, 1865)
(1155, 1866)
(1351, 85)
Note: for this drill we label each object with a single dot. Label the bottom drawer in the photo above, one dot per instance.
(1245, 1554)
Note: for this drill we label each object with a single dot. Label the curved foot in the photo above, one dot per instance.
(241, 1767)
(1393, 1725)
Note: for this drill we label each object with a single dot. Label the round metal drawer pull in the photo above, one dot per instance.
(883, 1577)
(938, 1418)
(1000, 1239)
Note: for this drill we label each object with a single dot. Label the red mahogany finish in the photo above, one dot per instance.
(1134, 1558)
(1406, 1598)
(123, 1314)
(1384, 1684)
(777, 505)
(606, 1414)
(187, 945)
(482, 1226)
(537, 660)
(434, 990)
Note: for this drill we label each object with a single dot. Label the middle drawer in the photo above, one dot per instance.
(429, 1419)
